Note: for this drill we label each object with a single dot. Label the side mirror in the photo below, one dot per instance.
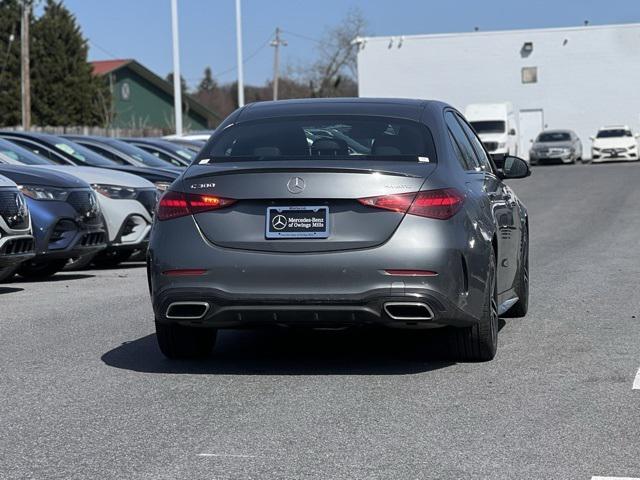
(637, 135)
(512, 131)
(592, 138)
(515, 167)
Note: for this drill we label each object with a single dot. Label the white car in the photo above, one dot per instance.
(614, 143)
(127, 201)
(16, 241)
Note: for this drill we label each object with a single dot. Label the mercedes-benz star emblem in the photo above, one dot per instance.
(295, 185)
(279, 222)
(93, 206)
(21, 207)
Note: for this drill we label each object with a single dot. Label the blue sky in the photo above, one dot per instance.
(141, 29)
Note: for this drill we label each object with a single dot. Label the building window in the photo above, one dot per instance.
(530, 75)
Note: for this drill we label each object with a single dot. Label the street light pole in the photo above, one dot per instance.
(276, 43)
(25, 84)
(177, 84)
(239, 52)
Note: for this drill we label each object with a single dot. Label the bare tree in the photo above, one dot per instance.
(334, 73)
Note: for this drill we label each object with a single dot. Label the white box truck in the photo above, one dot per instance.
(496, 125)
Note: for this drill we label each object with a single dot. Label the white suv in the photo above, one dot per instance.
(614, 143)
(16, 241)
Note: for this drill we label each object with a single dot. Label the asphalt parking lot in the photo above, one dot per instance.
(85, 393)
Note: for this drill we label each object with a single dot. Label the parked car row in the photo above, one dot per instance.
(496, 125)
(68, 201)
(611, 143)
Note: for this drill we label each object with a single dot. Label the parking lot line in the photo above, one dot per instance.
(614, 478)
(226, 455)
(636, 381)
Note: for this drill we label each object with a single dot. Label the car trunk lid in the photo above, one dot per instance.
(332, 189)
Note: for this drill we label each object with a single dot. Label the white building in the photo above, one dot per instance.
(578, 78)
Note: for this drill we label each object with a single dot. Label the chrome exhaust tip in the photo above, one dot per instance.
(408, 311)
(187, 310)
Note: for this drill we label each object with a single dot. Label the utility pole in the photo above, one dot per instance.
(276, 43)
(177, 83)
(239, 52)
(25, 84)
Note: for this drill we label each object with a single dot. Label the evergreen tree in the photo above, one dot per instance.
(183, 83)
(64, 89)
(10, 114)
(208, 83)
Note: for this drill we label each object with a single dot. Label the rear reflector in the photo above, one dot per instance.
(185, 272)
(411, 273)
(178, 204)
(440, 204)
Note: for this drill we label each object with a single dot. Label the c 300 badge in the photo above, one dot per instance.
(197, 186)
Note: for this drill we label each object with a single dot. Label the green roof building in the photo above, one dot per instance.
(141, 99)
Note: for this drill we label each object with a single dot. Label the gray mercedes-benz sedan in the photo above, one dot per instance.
(561, 146)
(340, 212)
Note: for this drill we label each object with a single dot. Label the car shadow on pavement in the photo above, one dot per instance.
(120, 266)
(297, 352)
(58, 277)
(4, 290)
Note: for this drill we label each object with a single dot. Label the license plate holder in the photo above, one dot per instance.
(297, 222)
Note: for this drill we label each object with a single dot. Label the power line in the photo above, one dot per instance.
(311, 39)
(247, 58)
(102, 49)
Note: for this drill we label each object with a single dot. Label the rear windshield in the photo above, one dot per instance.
(614, 132)
(489, 126)
(554, 137)
(323, 138)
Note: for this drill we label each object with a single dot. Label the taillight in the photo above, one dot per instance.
(178, 204)
(440, 204)
(397, 203)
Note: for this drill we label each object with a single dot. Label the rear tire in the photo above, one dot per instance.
(177, 341)
(111, 258)
(520, 308)
(479, 342)
(38, 270)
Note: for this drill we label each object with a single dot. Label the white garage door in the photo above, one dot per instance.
(531, 124)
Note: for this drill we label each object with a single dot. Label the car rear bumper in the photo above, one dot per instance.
(224, 310)
(243, 287)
